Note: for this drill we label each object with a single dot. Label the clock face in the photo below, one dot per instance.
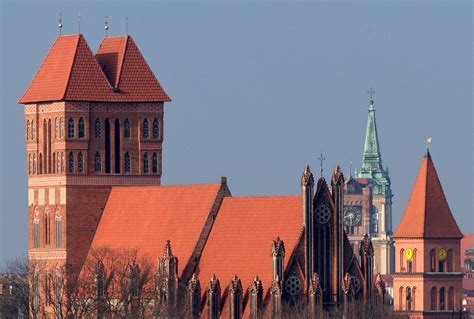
(323, 214)
(442, 254)
(352, 216)
(409, 254)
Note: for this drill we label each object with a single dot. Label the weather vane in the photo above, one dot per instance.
(126, 25)
(321, 158)
(60, 23)
(371, 93)
(106, 26)
(428, 142)
(79, 22)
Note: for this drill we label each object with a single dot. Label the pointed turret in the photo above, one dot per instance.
(427, 214)
(372, 157)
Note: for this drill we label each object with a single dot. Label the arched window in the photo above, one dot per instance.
(146, 129)
(48, 163)
(40, 164)
(36, 233)
(408, 298)
(36, 293)
(450, 261)
(145, 163)
(400, 298)
(127, 163)
(58, 162)
(30, 164)
(414, 261)
(58, 230)
(97, 128)
(451, 298)
(70, 128)
(62, 162)
(34, 163)
(442, 296)
(402, 254)
(80, 163)
(71, 163)
(409, 266)
(126, 129)
(82, 132)
(28, 130)
(56, 128)
(47, 230)
(61, 128)
(117, 146)
(433, 260)
(97, 163)
(413, 296)
(33, 130)
(441, 265)
(154, 163)
(54, 163)
(433, 299)
(156, 129)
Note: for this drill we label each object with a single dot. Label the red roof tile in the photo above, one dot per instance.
(71, 72)
(428, 214)
(144, 217)
(241, 238)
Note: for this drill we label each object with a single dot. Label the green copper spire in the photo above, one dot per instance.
(372, 159)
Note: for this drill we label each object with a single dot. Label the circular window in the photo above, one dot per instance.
(323, 214)
(293, 285)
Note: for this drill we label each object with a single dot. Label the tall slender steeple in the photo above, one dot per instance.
(372, 158)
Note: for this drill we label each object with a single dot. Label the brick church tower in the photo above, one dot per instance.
(427, 280)
(92, 122)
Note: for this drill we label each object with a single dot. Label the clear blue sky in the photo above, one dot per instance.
(259, 88)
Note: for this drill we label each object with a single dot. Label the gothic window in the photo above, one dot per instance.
(408, 298)
(49, 148)
(97, 128)
(47, 231)
(442, 306)
(127, 162)
(156, 129)
(28, 130)
(413, 295)
(126, 129)
(432, 260)
(402, 254)
(409, 266)
(82, 132)
(451, 298)
(97, 163)
(54, 163)
(70, 128)
(62, 162)
(400, 298)
(80, 163)
(30, 164)
(441, 266)
(33, 128)
(145, 163)
(58, 231)
(433, 298)
(56, 128)
(36, 233)
(36, 293)
(71, 163)
(154, 163)
(34, 163)
(61, 127)
(414, 260)
(40, 164)
(58, 163)
(146, 129)
(117, 146)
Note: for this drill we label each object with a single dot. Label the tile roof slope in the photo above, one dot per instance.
(241, 238)
(123, 63)
(51, 80)
(71, 72)
(427, 213)
(145, 217)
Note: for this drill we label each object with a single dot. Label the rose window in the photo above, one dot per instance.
(293, 285)
(323, 214)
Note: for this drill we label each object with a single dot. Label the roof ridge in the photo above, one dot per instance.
(261, 196)
(72, 65)
(119, 72)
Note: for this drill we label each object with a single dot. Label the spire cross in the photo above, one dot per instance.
(371, 93)
(321, 158)
(79, 22)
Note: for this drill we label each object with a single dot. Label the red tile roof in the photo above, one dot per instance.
(241, 239)
(71, 72)
(144, 217)
(428, 214)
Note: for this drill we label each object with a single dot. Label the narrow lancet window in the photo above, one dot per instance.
(82, 132)
(145, 163)
(70, 128)
(146, 129)
(156, 129)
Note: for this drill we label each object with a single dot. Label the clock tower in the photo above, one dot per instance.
(427, 282)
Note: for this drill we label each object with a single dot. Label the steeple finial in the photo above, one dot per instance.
(371, 93)
(126, 25)
(60, 23)
(321, 158)
(168, 252)
(79, 23)
(428, 143)
(106, 25)
(350, 169)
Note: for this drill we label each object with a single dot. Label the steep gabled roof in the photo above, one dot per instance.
(127, 70)
(427, 214)
(145, 217)
(71, 72)
(241, 240)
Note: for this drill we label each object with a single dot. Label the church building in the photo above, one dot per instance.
(368, 200)
(94, 135)
(428, 279)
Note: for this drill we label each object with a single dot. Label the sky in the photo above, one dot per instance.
(260, 88)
